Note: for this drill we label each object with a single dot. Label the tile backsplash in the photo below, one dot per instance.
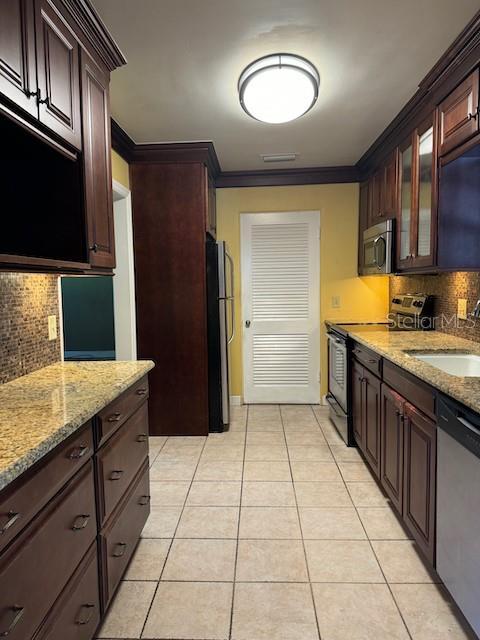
(447, 288)
(26, 301)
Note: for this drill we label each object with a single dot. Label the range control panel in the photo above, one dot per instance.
(412, 304)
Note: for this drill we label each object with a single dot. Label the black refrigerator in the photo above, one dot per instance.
(221, 330)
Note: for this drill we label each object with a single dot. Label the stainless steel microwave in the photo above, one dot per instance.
(377, 251)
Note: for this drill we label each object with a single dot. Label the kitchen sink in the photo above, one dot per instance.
(456, 364)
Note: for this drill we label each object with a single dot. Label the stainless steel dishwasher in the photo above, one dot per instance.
(458, 506)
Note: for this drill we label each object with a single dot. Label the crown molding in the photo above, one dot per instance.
(122, 143)
(95, 31)
(287, 177)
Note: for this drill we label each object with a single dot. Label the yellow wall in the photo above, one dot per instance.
(361, 298)
(120, 170)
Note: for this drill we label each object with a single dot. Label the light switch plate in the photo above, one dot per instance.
(462, 309)
(52, 327)
(335, 302)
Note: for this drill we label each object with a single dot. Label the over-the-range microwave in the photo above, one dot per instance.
(377, 249)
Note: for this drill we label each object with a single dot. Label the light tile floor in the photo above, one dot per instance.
(274, 531)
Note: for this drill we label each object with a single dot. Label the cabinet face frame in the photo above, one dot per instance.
(372, 420)
(393, 487)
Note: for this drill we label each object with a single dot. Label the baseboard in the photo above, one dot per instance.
(236, 401)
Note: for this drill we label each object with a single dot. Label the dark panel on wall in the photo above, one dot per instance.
(169, 241)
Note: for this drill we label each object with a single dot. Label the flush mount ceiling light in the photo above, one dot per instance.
(278, 88)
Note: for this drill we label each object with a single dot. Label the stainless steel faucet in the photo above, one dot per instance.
(476, 311)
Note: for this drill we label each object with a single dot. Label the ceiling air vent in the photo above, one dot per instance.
(279, 157)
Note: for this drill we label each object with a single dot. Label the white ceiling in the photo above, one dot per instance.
(185, 57)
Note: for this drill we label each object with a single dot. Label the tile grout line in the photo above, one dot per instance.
(230, 631)
(367, 536)
(171, 541)
(301, 531)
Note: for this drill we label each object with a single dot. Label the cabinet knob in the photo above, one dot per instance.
(142, 437)
(78, 452)
(12, 517)
(94, 247)
(116, 474)
(115, 417)
(89, 608)
(120, 549)
(144, 500)
(17, 613)
(80, 522)
(141, 392)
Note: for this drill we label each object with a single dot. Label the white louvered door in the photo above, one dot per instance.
(281, 307)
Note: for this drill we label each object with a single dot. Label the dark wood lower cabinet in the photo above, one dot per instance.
(391, 437)
(371, 413)
(71, 530)
(76, 614)
(420, 479)
(357, 402)
(366, 414)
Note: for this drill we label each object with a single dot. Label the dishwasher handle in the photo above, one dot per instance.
(461, 424)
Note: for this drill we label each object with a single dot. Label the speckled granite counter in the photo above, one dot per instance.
(394, 345)
(40, 410)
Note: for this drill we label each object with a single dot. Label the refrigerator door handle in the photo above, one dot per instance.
(231, 298)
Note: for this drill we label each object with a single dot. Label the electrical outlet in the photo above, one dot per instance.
(52, 327)
(336, 302)
(462, 309)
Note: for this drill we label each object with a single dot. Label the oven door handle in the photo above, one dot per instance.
(330, 397)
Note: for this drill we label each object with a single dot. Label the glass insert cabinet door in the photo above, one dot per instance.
(417, 198)
(425, 190)
(406, 200)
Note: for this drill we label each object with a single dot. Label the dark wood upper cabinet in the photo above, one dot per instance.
(417, 212)
(419, 488)
(371, 416)
(459, 114)
(18, 76)
(97, 163)
(58, 74)
(375, 214)
(391, 438)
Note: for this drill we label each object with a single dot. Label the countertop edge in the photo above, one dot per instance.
(36, 454)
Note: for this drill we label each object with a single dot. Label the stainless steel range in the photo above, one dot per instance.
(408, 312)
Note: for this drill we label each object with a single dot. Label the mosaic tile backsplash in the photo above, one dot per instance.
(26, 301)
(447, 288)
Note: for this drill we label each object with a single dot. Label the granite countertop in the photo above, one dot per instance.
(40, 410)
(396, 345)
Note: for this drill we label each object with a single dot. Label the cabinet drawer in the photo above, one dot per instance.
(76, 614)
(113, 416)
(370, 360)
(24, 498)
(120, 459)
(120, 537)
(417, 392)
(39, 563)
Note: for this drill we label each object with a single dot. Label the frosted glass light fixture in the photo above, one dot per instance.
(278, 88)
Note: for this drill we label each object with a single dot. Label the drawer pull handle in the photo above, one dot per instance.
(115, 417)
(121, 547)
(141, 392)
(372, 361)
(13, 516)
(89, 610)
(18, 613)
(80, 522)
(142, 437)
(144, 500)
(78, 452)
(116, 474)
